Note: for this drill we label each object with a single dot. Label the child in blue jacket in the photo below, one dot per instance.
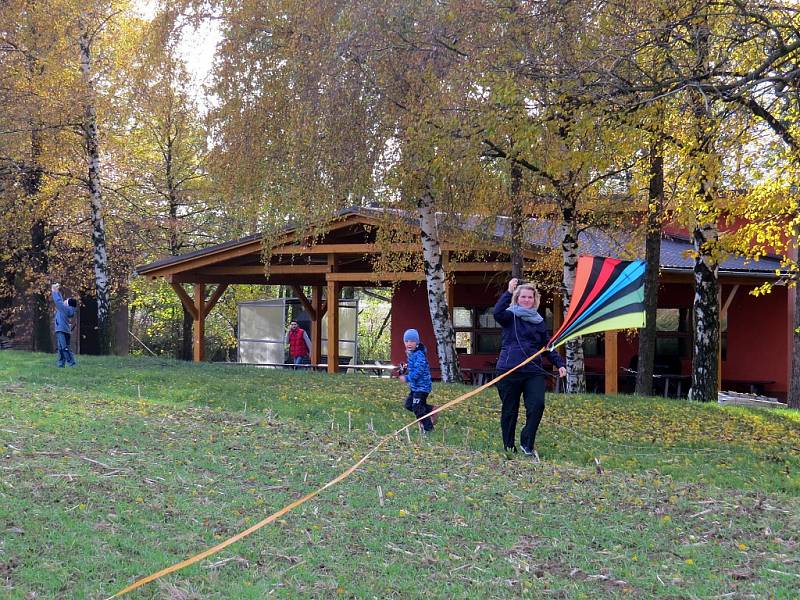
(418, 377)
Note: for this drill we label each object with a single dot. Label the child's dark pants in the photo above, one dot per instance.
(417, 402)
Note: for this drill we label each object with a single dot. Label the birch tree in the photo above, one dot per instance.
(540, 112)
(165, 188)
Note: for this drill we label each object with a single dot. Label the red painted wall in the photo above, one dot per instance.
(410, 309)
(758, 344)
(758, 347)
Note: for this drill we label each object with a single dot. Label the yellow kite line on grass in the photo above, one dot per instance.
(607, 292)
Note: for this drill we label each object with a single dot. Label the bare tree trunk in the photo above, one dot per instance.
(794, 380)
(41, 337)
(655, 209)
(91, 140)
(517, 221)
(576, 378)
(186, 335)
(437, 299)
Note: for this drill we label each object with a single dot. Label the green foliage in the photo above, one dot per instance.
(157, 318)
(121, 467)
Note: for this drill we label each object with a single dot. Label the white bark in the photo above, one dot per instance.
(576, 379)
(705, 237)
(705, 375)
(437, 297)
(92, 145)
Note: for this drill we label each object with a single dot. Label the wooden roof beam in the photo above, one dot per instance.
(303, 269)
(187, 302)
(305, 302)
(212, 301)
(375, 277)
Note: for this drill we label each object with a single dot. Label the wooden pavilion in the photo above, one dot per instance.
(342, 252)
(347, 251)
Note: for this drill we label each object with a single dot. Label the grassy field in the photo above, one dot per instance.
(122, 467)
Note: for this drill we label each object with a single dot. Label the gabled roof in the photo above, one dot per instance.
(539, 233)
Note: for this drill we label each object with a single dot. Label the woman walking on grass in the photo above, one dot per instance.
(524, 333)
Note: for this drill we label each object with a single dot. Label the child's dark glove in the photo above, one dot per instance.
(402, 369)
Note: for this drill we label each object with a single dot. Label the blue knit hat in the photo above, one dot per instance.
(411, 335)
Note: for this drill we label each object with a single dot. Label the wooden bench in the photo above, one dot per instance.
(751, 386)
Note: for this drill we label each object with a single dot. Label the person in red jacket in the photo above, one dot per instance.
(299, 344)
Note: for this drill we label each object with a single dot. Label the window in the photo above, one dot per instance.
(476, 330)
(673, 332)
(594, 345)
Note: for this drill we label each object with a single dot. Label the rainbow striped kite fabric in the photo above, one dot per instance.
(608, 294)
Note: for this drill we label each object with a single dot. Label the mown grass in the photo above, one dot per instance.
(121, 467)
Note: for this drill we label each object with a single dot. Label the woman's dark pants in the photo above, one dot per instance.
(531, 388)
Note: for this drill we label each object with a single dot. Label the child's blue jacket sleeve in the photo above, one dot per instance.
(419, 373)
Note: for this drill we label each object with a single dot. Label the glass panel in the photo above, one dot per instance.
(668, 346)
(593, 345)
(548, 317)
(464, 342)
(261, 352)
(668, 319)
(488, 343)
(486, 318)
(462, 317)
(261, 322)
(348, 327)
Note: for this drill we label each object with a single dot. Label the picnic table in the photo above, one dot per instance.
(374, 369)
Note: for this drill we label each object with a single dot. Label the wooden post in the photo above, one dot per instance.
(332, 308)
(316, 325)
(723, 316)
(611, 366)
(333, 326)
(558, 312)
(449, 282)
(198, 338)
(451, 293)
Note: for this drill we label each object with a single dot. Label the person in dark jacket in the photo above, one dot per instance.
(417, 374)
(523, 334)
(65, 310)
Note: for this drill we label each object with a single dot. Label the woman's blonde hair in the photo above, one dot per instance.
(537, 297)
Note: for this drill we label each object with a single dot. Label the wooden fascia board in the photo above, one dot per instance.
(472, 267)
(204, 260)
(333, 225)
(687, 276)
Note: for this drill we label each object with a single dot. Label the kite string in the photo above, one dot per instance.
(343, 475)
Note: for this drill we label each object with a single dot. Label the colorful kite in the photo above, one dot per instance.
(608, 294)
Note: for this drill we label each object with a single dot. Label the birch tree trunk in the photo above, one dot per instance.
(437, 298)
(705, 168)
(517, 222)
(91, 142)
(647, 335)
(576, 378)
(705, 376)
